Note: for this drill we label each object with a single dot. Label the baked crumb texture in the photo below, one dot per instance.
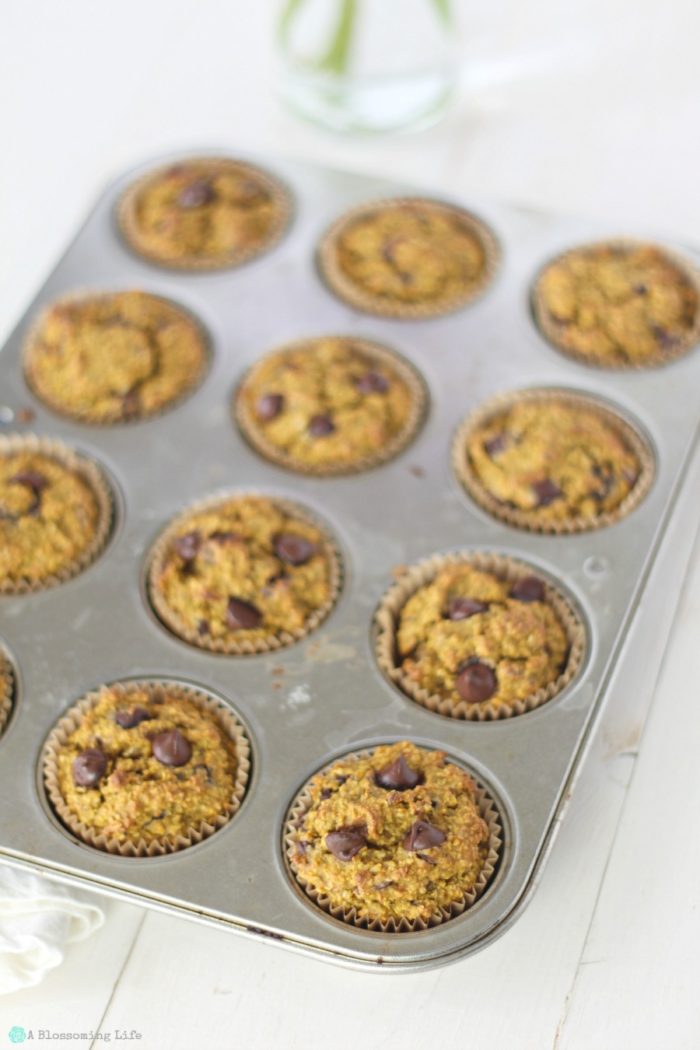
(7, 689)
(619, 304)
(408, 257)
(394, 839)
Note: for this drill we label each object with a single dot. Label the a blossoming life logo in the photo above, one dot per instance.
(17, 1034)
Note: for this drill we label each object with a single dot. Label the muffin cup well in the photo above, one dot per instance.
(354, 916)
(70, 721)
(89, 472)
(387, 617)
(406, 372)
(34, 384)
(281, 197)
(348, 290)
(551, 330)
(248, 647)
(7, 690)
(522, 519)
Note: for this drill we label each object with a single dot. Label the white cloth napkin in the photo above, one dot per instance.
(38, 919)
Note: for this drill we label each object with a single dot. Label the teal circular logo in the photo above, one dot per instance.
(17, 1034)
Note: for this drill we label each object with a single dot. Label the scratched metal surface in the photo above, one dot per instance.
(325, 695)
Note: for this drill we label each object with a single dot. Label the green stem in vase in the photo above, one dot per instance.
(444, 10)
(337, 57)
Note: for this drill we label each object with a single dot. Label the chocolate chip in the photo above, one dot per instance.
(476, 682)
(130, 403)
(269, 406)
(295, 550)
(321, 426)
(463, 608)
(196, 194)
(129, 719)
(89, 767)
(346, 842)
(372, 383)
(423, 835)
(188, 545)
(398, 776)
(240, 614)
(546, 492)
(203, 627)
(640, 289)
(663, 337)
(528, 589)
(495, 444)
(171, 748)
(32, 479)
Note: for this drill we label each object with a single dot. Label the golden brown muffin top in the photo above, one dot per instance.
(114, 357)
(396, 834)
(618, 305)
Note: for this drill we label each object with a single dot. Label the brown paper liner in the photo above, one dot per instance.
(387, 617)
(281, 197)
(349, 291)
(70, 721)
(552, 331)
(245, 647)
(60, 409)
(408, 374)
(89, 471)
(522, 519)
(487, 811)
(7, 689)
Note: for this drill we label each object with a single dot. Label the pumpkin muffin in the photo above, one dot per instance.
(144, 767)
(408, 257)
(331, 405)
(7, 689)
(619, 305)
(397, 838)
(55, 513)
(243, 574)
(552, 461)
(477, 636)
(206, 213)
(114, 358)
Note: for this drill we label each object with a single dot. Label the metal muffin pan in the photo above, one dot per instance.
(323, 696)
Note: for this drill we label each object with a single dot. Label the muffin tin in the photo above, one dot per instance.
(306, 704)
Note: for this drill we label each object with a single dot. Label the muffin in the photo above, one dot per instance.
(408, 257)
(331, 405)
(204, 214)
(243, 574)
(619, 304)
(7, 689)
(396, 839)
(552, 461)
(477, 636)
(114, 358)
(146, 767)
(55, 513)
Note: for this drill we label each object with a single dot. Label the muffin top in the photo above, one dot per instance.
(330, 405)
(49, 517)
(243, 574)
(618, 305)
(117, 357)
(205, 213)
(474, 638)
(395, 835)
(146, 764)
(554, 460)
(397, 256)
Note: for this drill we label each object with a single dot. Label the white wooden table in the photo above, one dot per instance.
(592, 107)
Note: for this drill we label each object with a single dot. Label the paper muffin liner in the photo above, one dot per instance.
(348, 290)
(70, 721)
(92, 474)
(424, 572)
(7, 689)
(84, 295)
(551, 330)
(281, 197)
(406, 372)
(354, 916)
(245, 647)
(523, 519)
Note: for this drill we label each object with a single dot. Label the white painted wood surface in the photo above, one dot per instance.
(590, 106)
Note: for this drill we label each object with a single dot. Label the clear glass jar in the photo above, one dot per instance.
(367, 65)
